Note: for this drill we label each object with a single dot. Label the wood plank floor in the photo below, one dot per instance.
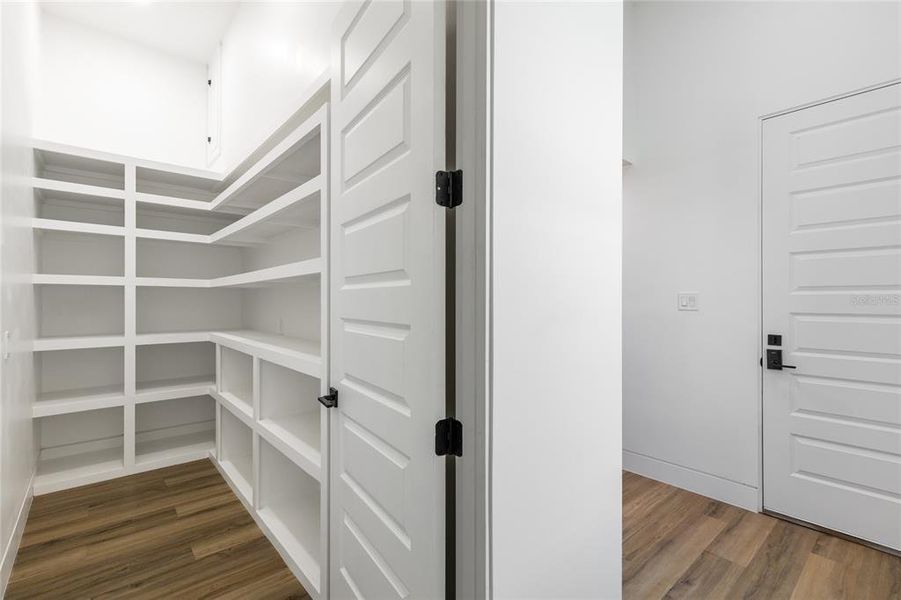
(680, 545)
(177, 532)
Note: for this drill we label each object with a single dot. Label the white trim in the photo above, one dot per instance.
(705, 484)
(471, 298)
(864, 90)
(12, 547)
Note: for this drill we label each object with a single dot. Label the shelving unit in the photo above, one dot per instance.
(183, 314)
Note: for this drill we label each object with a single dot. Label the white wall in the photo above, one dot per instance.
(107, 93)
(18, 49)
(556, 300)
(271, 53)
(700, 76)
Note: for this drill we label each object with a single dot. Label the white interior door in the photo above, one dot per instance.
(387, 503)
(832, 289)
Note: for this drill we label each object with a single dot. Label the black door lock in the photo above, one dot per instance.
(774, 361)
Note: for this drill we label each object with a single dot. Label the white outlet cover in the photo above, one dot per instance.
(688, 301)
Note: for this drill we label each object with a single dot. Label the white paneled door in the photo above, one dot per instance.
(832, 290)
(387, 521)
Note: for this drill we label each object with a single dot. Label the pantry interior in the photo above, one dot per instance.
(181, 309)
(173, 304)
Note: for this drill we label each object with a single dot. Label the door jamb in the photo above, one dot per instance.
(473, 297)
(761, 121)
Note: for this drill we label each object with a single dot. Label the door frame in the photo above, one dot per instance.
(472, 291)
(760, 246)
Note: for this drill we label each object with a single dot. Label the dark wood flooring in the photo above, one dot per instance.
(177, 532)
(181, 533)
(680, 545)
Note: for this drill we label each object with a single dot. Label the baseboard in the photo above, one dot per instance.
(12, 548)
(730, 492)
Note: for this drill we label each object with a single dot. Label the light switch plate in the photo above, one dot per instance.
(688, 301)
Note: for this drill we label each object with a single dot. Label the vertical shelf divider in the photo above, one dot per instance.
(255, 395)
(130, 299)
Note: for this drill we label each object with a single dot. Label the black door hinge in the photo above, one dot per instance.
(330, 400)
(208, 139)
(449, 188)
(449, 437)
(209, 82)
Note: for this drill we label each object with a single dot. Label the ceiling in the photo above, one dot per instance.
(188, 30)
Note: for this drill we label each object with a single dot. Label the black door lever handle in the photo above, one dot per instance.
(774, 360)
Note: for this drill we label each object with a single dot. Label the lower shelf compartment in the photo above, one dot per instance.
(57, 471)
(78, 448)
(196, 444)
(236, 452)
(176, 428)
(289, 506)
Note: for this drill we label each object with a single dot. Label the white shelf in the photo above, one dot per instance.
(172, 236)
(239, 407)
(178, 282)
(261, 224)
(178, 337)
(293, 144)
(42, 183)
(291, 272)
(76, 227)
(72, 401)
(172, 201)
(294, 353)
(77, 469)
(189, 446)
(169, 389)
(51, 279)
(298, 438)
(77, 342)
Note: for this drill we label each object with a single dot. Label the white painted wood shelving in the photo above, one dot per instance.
(183, 314)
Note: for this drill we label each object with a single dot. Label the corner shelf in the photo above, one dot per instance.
(260, 225)
(294, 353)
(287, 273)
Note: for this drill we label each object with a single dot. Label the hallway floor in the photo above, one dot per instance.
(177, 532)
(681, 545)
